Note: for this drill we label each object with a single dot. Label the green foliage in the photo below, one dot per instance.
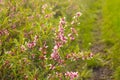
(117, 73)
(25, 21)
(94, 62)
(27, 27)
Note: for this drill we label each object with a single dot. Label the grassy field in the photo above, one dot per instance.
(102, 31)
(38, 43)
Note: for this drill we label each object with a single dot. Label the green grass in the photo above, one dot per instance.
(111, 31)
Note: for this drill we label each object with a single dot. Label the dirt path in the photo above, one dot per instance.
(97, 46)
(99, 73)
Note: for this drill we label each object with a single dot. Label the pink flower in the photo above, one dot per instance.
(62, 21)
(22, 48)
(84, 57)
(60, 61)
(40, 49)
(31, 44)
(71, 37)
(61, 36)
(44, 6)
(71, 75)
(78, 14)
(61, 30)
(72, 22)
(55, 47)
(74, 31)
(44, 48)
(6, 32)
(13, 26)
(91, 55)
(26, 77)
(52, 67)
(1, 1)
(35, 38)
(48, 15)
(58, 44)
(55, 55)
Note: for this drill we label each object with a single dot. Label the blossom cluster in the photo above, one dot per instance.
(60, 40)
(71, 75)
(4, 32)
(88, 56)
(33, 43)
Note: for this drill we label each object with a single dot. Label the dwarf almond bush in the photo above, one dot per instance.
(35, 45)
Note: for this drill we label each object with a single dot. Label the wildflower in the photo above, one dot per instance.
(40, 49)
(72, 22)
(23, 48)
(42, 57)
(48, 15)
(68, 56)
(31, 44)
(61, 29)
(52, 67)
(84, 57)
(71, 37)
(26, 77)
(87, 57)
(6, 32)
(0, 0)
(62, 21)
(60, 40)
(91, 55)
(61, 61)
(44, 6)
(55, 55)
(61, 36)
(74, 31)
(78, 14)
(35, 38)
(6, 63)
(74, 17)
(44, 48)
(55, 47)
(13, 26)
(71, 75)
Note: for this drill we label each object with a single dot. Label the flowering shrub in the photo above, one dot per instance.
(35, 45)
(72, 75)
